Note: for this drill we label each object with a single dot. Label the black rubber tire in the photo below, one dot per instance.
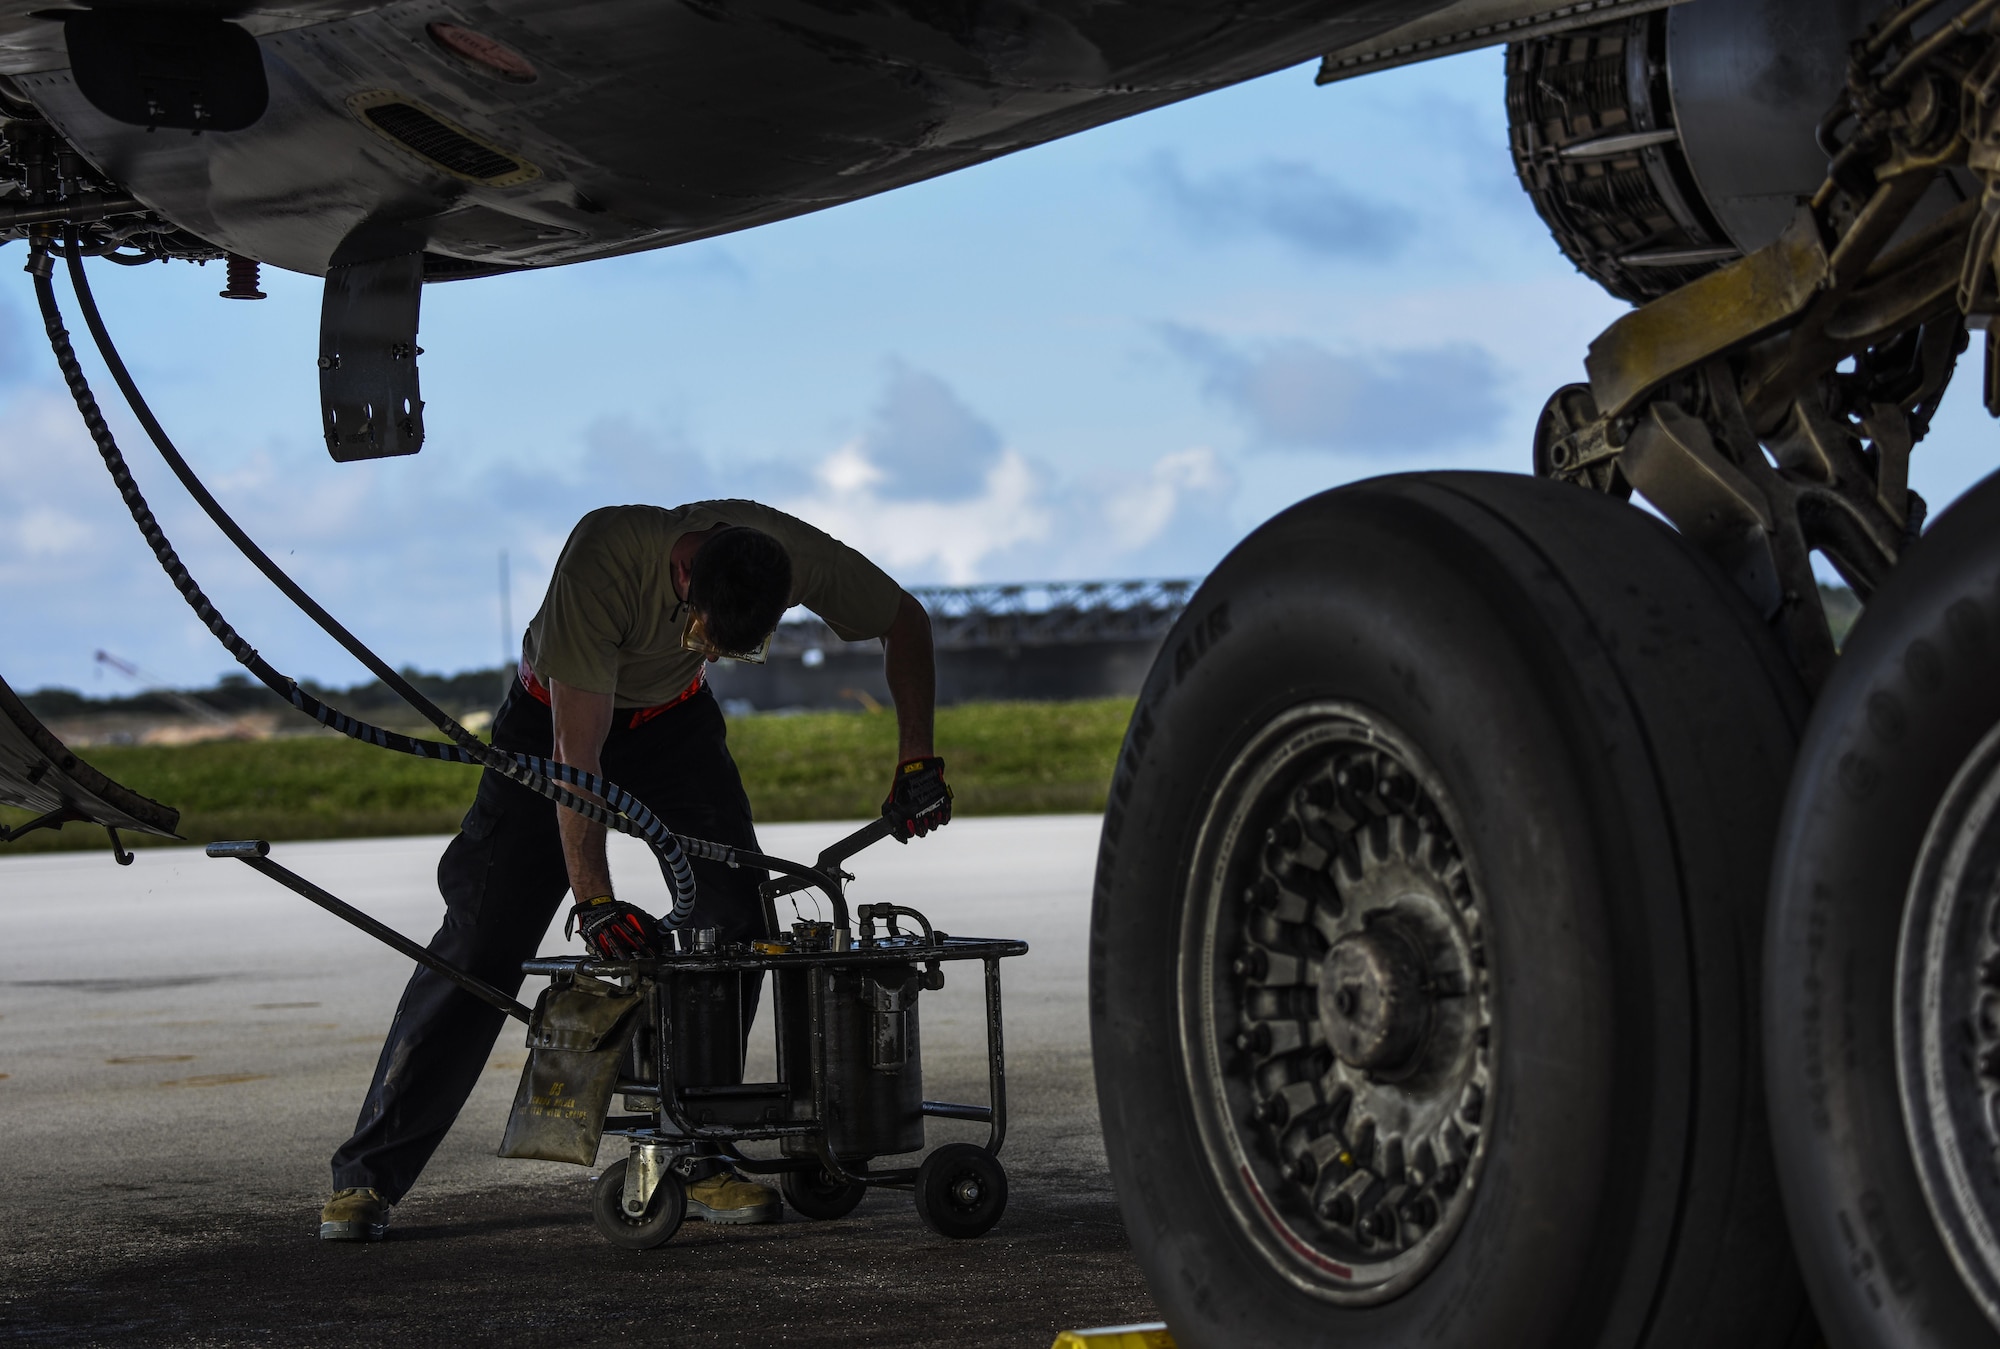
(1618, 728)
(942, 1203)
(1915, 689)
(816, 1195)
(663, 1214)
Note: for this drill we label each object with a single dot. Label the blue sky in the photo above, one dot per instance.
(1111, 356)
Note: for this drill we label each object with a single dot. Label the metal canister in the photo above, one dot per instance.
(707, 1012)
(870, 1056)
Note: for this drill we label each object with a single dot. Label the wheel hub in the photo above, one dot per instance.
(1337, 1022)
(1374, 1000)
(1948, 1020)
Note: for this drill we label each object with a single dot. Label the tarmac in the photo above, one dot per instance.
(183, 1043)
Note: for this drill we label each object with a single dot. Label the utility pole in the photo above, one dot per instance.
(510, 649)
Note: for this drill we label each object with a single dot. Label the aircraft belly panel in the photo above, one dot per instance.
(642, 124)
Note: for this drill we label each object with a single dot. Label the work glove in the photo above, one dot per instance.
(614, 929)
(919, 799)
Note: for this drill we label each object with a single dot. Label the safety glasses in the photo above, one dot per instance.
(695, 638)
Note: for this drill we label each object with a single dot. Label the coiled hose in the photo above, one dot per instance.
(626, 813)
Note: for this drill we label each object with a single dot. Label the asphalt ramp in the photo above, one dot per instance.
(183, 1043)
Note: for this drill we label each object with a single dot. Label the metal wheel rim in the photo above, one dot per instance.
(1395, 1147)
(1948, 1021)
(822, 1183)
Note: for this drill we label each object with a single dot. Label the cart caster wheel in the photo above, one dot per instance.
(663, 1214)
(816, 1195)
(961, 1190)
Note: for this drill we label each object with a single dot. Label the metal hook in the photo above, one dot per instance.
(117, 848)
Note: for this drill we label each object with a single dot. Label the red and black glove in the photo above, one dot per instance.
(614, 929)
(919, 799)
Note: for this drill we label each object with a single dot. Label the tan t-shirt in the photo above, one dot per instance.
(609, 623)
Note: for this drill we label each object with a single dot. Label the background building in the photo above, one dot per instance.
(1040, 642)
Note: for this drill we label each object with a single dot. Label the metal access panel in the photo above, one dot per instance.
(370, 407)
(1467, 24)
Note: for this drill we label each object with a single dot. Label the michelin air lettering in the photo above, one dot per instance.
(1200, 638)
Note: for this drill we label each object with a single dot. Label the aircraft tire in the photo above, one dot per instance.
(1427, 931)
(1880, 1002)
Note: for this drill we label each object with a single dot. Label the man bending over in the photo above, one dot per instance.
(612, 681)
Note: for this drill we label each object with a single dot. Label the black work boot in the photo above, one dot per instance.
(354, 1215)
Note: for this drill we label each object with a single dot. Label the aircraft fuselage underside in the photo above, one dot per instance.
(532, 132)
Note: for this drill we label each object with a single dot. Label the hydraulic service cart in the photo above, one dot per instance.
(663, 1035)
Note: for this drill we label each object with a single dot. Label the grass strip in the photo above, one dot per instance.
(1003, 759)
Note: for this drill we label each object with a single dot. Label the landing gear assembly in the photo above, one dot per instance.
(1420, 977)
(1517, 923)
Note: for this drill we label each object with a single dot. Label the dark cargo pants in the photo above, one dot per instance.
(502, 878)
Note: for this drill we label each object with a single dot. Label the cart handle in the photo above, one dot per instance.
(256, 854)
(840, 850)
(826, 873)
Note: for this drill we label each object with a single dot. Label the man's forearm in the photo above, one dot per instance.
(582, 720)
(584, 853)
(911, 669)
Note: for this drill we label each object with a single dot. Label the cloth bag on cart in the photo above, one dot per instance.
(577, 1040)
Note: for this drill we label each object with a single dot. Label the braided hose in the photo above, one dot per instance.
(626, 813)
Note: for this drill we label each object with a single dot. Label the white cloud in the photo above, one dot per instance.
(1022, 521)
(847, 471)
(405, 551)
(46, 532)
(927, 443)
(53, 492)
(1141, 512)
(950, 540)
(1295, 393)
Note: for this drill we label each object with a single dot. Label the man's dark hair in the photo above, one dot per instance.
(741, 581)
